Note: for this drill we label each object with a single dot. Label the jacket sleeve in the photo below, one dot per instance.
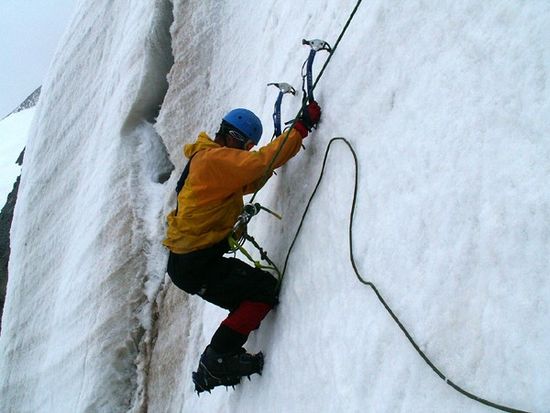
(229, 170)
(257, 184)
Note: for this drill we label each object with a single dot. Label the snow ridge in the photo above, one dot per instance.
(29, 102)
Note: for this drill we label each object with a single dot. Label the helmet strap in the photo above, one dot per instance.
(223, 133)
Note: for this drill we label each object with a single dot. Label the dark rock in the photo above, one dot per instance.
(6, 216)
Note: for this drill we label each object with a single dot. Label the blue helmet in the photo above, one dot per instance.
(246, 123)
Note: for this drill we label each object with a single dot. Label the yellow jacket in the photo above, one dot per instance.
(212, 198)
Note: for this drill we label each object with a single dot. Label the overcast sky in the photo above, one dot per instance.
(29, 33)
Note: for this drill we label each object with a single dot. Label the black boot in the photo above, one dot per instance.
(217, 369)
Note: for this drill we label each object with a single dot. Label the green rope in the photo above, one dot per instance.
(371, 285)
(269, 170)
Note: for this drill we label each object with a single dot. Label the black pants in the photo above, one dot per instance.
(225, 282)
(247, 292)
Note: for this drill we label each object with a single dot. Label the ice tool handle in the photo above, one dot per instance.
(284, 88)
(315, 45)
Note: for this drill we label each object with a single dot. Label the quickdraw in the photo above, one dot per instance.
(284, 88)
(239, 235)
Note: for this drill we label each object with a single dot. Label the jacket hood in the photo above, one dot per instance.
(203, 142)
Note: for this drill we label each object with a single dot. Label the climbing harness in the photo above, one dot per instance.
(239, 235)
(284, 88)
(316, 45)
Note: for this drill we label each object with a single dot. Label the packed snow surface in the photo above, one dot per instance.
(447, 108)
(13, 136)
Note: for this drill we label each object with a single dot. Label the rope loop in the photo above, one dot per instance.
(238, 245)
(371, 284)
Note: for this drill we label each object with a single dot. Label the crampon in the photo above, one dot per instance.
(214, 371)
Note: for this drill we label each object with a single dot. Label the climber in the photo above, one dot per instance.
(210, 198)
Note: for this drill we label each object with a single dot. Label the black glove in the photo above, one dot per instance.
(311, 115)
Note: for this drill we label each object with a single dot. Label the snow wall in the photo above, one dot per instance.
(447, 108)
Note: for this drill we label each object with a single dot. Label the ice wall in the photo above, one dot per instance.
(446, 106)
(74, 314)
